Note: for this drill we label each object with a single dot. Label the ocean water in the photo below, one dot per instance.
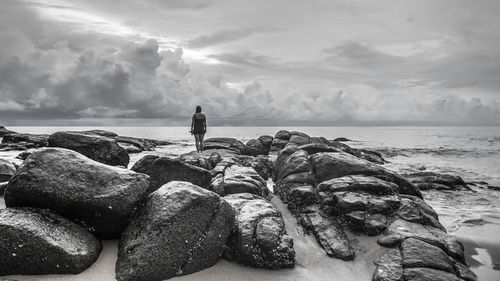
(470, 152)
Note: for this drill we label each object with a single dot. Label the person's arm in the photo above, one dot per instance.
(205, 124)
(192, 124)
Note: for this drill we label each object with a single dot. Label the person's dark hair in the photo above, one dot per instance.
(198, 109)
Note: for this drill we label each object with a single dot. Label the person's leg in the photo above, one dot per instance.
(202, 136)
(197, 142)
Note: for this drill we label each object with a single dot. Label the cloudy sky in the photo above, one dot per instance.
(261, 62)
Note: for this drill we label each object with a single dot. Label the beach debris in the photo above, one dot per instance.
(259, 238)
(180, 228)
(79, 188)
(162, 170)
(36, 241)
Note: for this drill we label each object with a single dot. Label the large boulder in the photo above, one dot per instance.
(329, 165)
(260, 238)
(7, 170)
(165, 169)
(205, 159)
(96, 147)
(99, 197)
(35, 241)
(260, 146)
(229, 144)
(180, 229)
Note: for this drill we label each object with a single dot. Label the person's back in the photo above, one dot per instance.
(199, 121)
(199, 128)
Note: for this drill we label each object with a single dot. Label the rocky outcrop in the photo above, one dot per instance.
(180, 229)
(415, 259)
(162, 170)
(259, 239)
(280, 140)
(230, 178)
(35, 241)
(7, 170)
(231, 145)
(260, 146)
(96, 147)
(17, 141)
(205, 159)
(430, 180)
(4, 131)
(100, 197)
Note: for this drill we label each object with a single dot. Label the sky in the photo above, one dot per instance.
(250, 63)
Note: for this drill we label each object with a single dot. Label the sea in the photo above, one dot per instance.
(470, 152)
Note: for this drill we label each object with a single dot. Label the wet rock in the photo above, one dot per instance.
(389, 267)
(238, 179)
(342, 139)
(260, 146)
(139, 144)
(329, 165)
(416, 210)
(430, 180)
(368, 155)
(98, 148)
(206, 159)
(417, 253)
(428, 274)
(375, 224)
(162, 170)
(359, 183)
(298, 139)
(464, 272)
(261, 164)
(400, 229)
(180, 229)
(300, 197)
(25, 141)
(35, 241)
(260, 238)
(100, 197)
(329, 235)
(230, 144)
(312, 148)
(297, 162)
(282, 135)
(4, 131)
(7, 170)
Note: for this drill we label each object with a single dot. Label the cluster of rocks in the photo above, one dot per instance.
(336, 195)
(79, 141)
(203, 206)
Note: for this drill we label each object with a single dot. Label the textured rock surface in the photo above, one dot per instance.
(100, 197)
(230, 177)
(329, 235)
(430, 180)
(180, 229)
(229, 144)
(35, 241)
(99, 148)
(165, 169)
(7, 170)
(17, 141)
(260, 238)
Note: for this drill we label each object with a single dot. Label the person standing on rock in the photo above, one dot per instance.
(199, 128)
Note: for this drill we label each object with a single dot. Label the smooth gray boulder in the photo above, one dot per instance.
(181, 228)
(99, 148)
(36, 241)
(100, 197)
(238, 179)
(162, 170)
(259, 239)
